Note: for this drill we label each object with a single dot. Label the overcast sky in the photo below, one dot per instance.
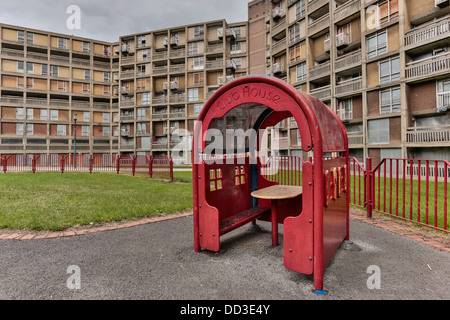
(107, 20)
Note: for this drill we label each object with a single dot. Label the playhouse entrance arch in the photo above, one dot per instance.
(316, 221)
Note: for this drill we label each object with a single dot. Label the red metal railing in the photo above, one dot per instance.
(286, 170)
(410, 189)
(161, 167)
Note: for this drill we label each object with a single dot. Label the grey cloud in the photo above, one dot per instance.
(108, 20)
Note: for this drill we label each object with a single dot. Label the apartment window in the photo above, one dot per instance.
(61, 129)
(30, 37)
(19, 113)
(199, 78)
(141, 40)
(87, 75)
(377, 44)
(237, 32)
(198, 32)
(141, 113)
(44, 69)
(30, 114)
(146, 54)
(61, 86)
(44, 114)
(192, 48)
(300, 9)
(20, 36)
(87, 116)
(20, 82)
(140, 128)
(193, 94)
(146, 98)
(29, 129)
(141, 84)
(20, 65)
(238, 62)
(236, 47)
(346, 33)
(390, 70)
(53, 115)
(294, 33)
(106, 90)
(388, 10)
(85, 131)
(301, 72)
(295, 53)
(197, 109)
(141, 70)
(443, 94)
(62, 43)
(86, 88)
(198, 63)
(54, 71)
(106, 117)
(345, 109)
(30, 83)
(19, 129)
(106, 131)
(390, 100)
(86, 47)
(378, 131)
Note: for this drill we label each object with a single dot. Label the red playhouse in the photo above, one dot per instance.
(308, 196)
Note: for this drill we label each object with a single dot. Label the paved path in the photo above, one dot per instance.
(156, 261)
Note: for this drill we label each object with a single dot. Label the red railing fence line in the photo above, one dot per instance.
(414, 190)
(161, 166)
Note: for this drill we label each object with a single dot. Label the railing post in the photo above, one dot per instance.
(150, 166)
(118, 164)
(369, 183)
(33, 164)
(171, 169)
(133, 164)
(91, 163)
(62, 164)
(4, 164)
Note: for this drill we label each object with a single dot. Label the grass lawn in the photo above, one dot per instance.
(55, 201)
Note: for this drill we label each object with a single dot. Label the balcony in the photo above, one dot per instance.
(319, 71)
(313, 5)
(213, 64)
(231, 64)
(178, 97)
(321, 92)
(280, 143)
(158, 100)
(426, 135)
(342, 40)
(347, 9)
(159, 69)
(319, 24)
(349, 60)
(434, 31)
(428, 67)
(177, 52)
(229, 33)
(327, 45)
(214, 48)
(279, 26)
(278, 46)
(443, 101)
(349, 86)
(278, 68)
(177, 68)
(355, 139)
(160, 55)
(277, 13)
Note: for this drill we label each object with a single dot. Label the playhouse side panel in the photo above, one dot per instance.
(335, 211)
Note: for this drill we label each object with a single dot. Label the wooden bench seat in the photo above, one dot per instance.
(241, 218)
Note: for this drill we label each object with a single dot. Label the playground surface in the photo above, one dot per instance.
(156, 261)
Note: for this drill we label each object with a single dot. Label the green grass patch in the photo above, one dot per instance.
(55, 201)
